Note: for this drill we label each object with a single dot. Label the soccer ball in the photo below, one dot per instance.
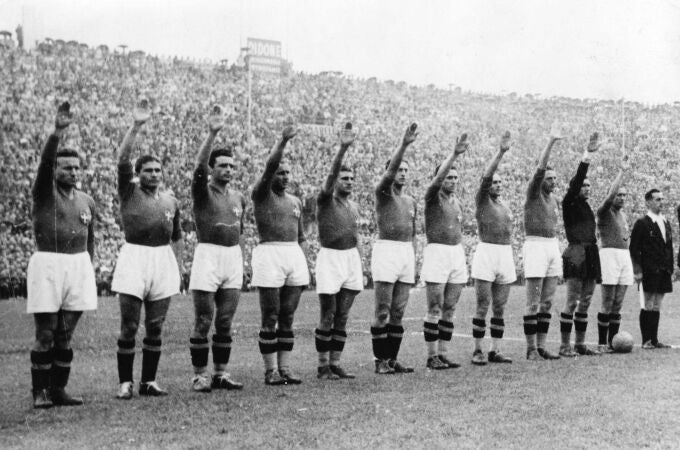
(622, 342)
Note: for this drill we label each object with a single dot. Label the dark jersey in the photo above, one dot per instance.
(218, 214)
(148, 219)
(60, 224)
(278, 216)
(578, 217)
(540, 209)
(337, 221)
(494, 218)
(612, 226)
(443, 217)
(396, 214)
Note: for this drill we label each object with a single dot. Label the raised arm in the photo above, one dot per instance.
(545, 154)
(263, 185)
(347, 137)
(614, 188)
(141, 115)
(487, 177)
(199, 184)
(42, 186)
(576, 183)
(391, 172)
(461, 147)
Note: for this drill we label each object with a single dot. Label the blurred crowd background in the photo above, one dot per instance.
(103, 86)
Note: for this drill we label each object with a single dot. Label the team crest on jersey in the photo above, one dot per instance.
(85, 217)
(459, 218)
(168, 215)
(237, 211)
(296, 212)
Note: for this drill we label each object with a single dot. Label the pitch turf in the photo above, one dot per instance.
(607, 401)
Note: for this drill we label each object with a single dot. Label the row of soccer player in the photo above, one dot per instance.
(61, 278)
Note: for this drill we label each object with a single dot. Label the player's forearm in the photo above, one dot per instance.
(444, 169)
(126, 146)
(614, 189)
(45, 173)
(493, 165)
(335, 168)
(204, 150)
(545, 154)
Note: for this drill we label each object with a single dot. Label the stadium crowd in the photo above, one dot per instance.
(103, 85)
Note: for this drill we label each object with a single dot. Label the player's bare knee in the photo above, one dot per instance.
(202, 326)
(154, 326)
(497, 311)
(44, 340)
(545, 306)
(381, 318)
(340, 320)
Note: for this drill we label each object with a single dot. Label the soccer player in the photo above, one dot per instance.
(339, 276)
(493, 266)
(279, 266)
(617, 268)
(393, 259)
(444, 268)
(60, 277)
(147, 272)
(541, 254)
(651, 250)
(217, 270)
(581, 260)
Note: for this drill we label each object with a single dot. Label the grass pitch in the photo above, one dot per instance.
(608, 401)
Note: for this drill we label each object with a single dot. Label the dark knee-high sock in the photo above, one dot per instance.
(268, 346)
(322, 341)
(337, 345)
(530, 324)
(41, 364)
(603, 328)
(445, 335)
(654, 317)
(221, 348)
(151, 354)
(566, 322)
(431, 335)
(285, 347)
(644, 325)
(61, 367)
(496, 330)
(379, 342)
(580, 327)
(613, 329)
(126, 359)
(198, 348)
(542, 326)
(395, 334)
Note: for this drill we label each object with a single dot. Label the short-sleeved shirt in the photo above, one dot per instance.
(148, 219)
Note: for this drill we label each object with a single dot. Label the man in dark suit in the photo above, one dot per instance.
(651, 250)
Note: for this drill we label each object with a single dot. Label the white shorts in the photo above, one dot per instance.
(542, 257)
(338, 269)
(60, 281)
(148, 273)
(617, 267)
(444, 264)
(494, 263)
(277, 264)
(393, 261)
(216, 267)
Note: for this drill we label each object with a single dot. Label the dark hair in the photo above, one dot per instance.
(217, 153)
(650, 193)
(346, 168)
(387, 164)
(143, 160)
(436, 169)
(547, 168)
(68, 153)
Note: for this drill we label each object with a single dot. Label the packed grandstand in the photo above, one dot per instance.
(103, 85)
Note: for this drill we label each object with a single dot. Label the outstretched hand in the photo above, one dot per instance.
(142, 111)
(410, 135)
(505, 142)
(64, 116)
(462, 144)
(216, 119)
(625, 162)
(289, 133)
(347, 135)
(594, 143)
